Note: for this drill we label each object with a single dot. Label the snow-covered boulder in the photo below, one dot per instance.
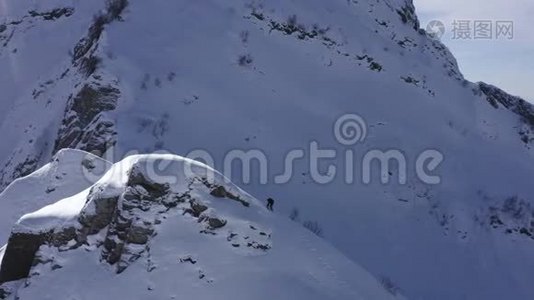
(69, 172)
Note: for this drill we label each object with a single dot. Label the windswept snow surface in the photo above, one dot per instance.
(276, 75)
(182, 263)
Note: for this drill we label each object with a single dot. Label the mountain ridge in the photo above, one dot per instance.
(123, 223)
(272, 75)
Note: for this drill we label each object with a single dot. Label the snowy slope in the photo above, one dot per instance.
(69, 172)
(275, 75)
(174, 236)
(35, 41)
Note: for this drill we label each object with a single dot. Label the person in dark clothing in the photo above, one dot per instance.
(270, 203)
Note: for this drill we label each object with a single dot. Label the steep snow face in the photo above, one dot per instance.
(35, 41)
(274, 75)
(79, 63)
(69, 172)
(136, 234)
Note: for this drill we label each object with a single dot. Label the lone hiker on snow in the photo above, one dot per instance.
(270, 203)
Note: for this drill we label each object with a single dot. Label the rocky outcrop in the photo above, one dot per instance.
(53, 14)
(220, 191)
(8, 29)
(19, 256)
(84, 51)
(408, 15)
(12, 170)
(121, 223)
(499, 98)
(513, 216)
(85, 124)
(22, 248)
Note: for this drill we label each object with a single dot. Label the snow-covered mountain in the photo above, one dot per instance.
(114, 76)
(136, 235)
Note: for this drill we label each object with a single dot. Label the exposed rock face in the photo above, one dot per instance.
(121, 224)
(19, 256)
(21, 169)
(155, 189)
(102, 216)
(22, 248)
(83, 54)
(85, 125)
(407, 14)
(7, 30)
(497, 98)
(220, 191)
(512, 215)
(4, 292)
(53, 14)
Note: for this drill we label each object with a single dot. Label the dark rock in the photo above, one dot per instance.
(21, 169)
(174, 200)
(89, 164)
(497, 97)
(92, 100)
(208, 232)
(231, 236)
(196, 209)
(525, 231)
(220, 191)
(139, 235)
(113, 251)
(4, 293)
(374, 66)
(22, 249)
(188, 259)
(83, 126)
(62, 237)
(102, 217)
(408, 15)
(215, 223)
(155, 189)
(19, 256)
(87, 43)
(53, 14)
(256, 245)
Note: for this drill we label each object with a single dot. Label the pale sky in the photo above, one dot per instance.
(508, 64)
